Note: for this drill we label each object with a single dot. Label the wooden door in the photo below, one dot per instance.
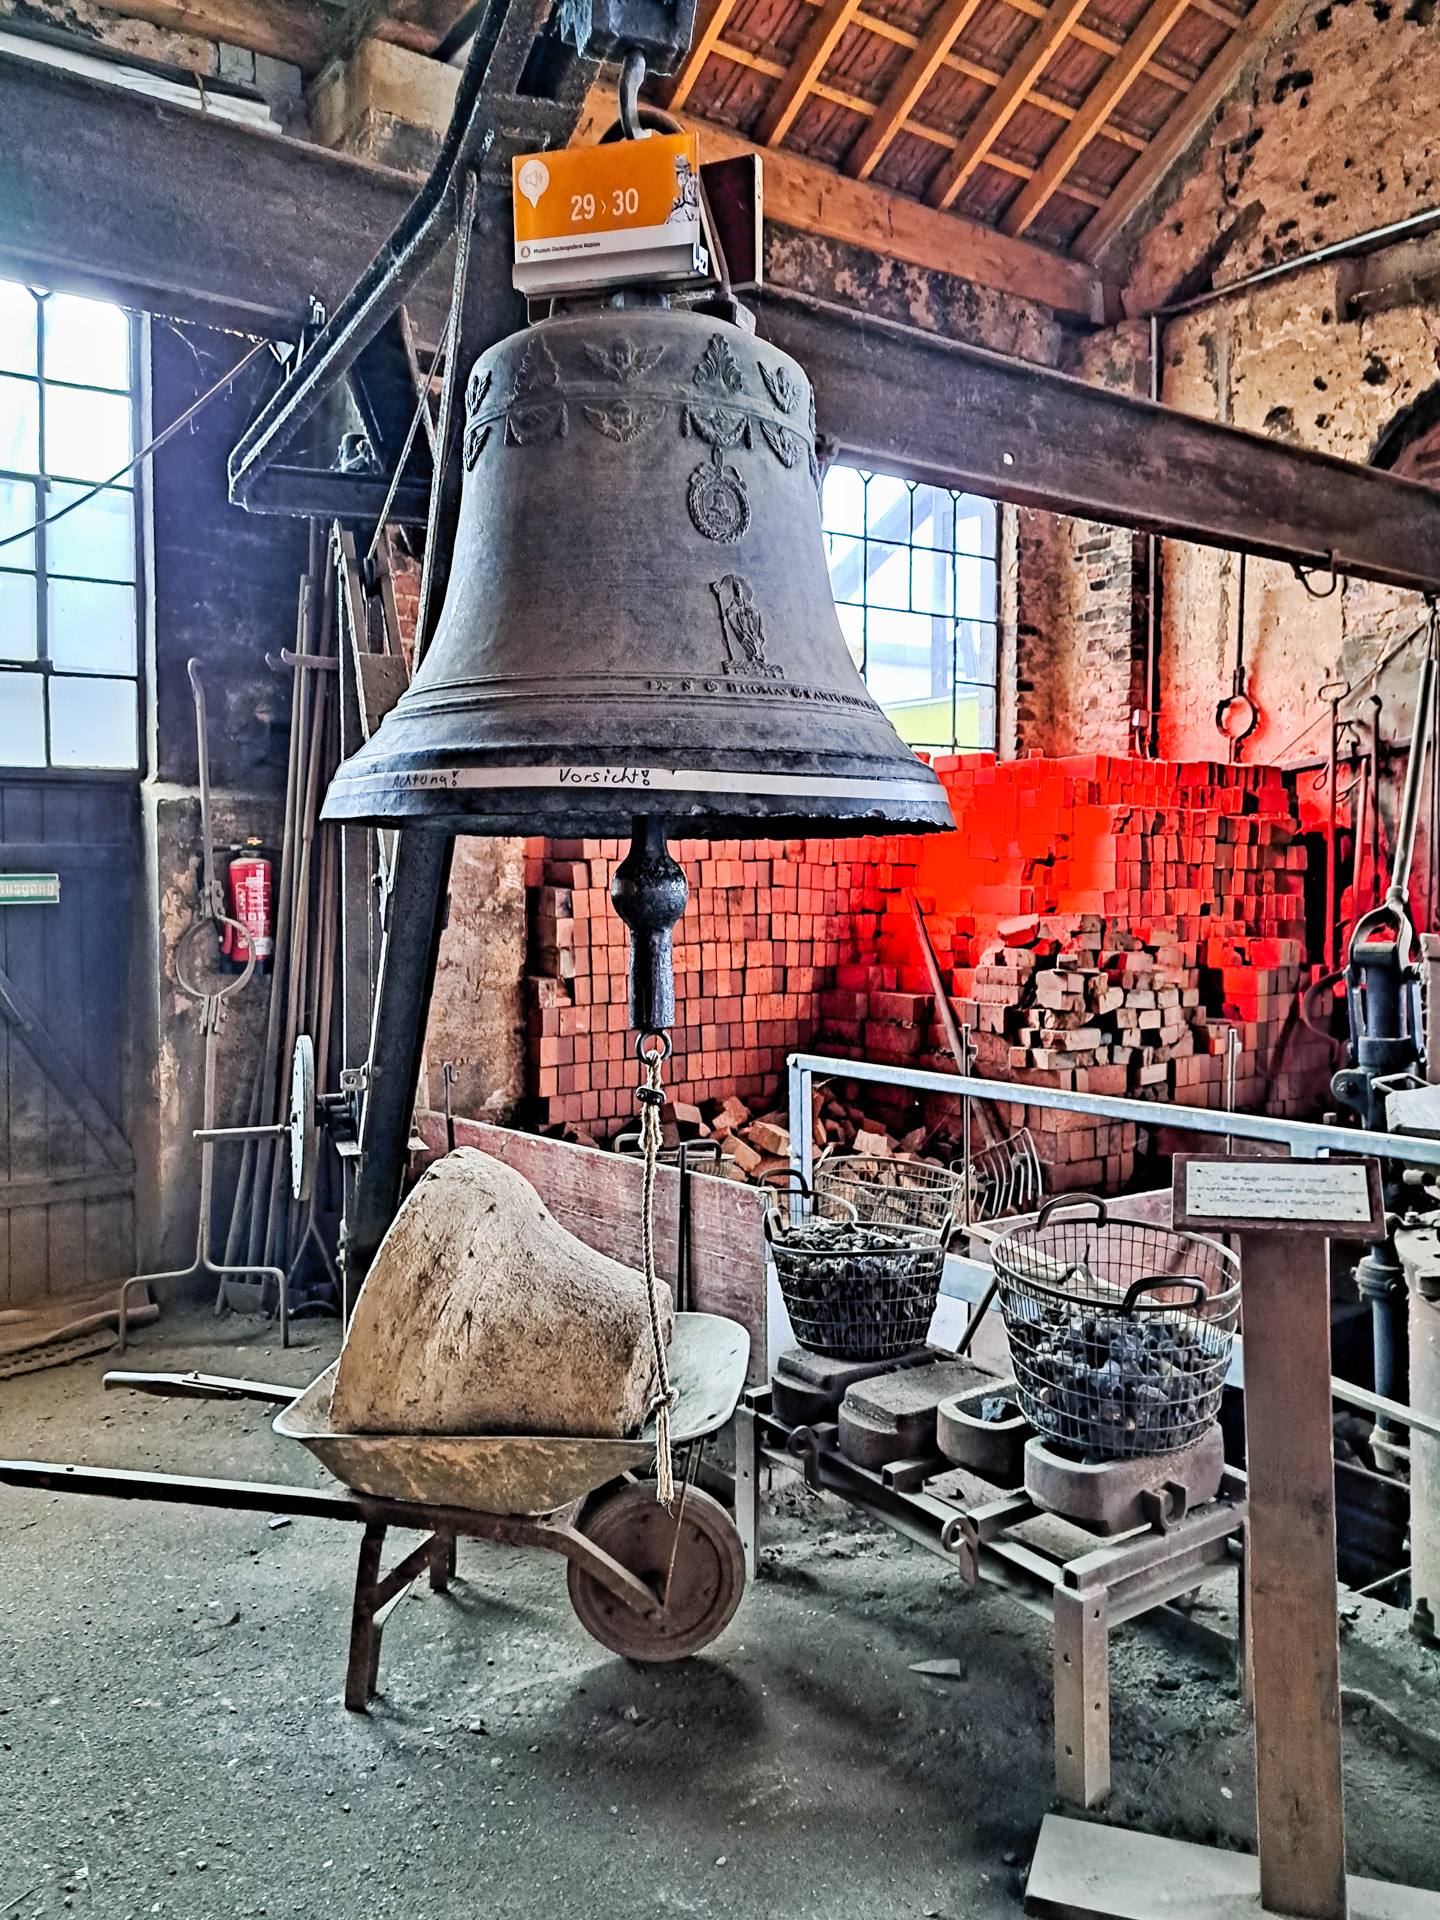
(67, 1200)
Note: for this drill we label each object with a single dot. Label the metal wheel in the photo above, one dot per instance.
(703, 1591)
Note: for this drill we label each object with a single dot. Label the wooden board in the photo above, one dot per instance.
(596, 1196)
(1217, 1192)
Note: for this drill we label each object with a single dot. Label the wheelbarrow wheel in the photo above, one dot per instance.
(703, 1590)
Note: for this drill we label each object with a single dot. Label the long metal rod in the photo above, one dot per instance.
(1305, 1140)
(463, 231)
(1414, 777)
(1370, 241)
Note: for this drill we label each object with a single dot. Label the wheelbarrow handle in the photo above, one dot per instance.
(203, 1386)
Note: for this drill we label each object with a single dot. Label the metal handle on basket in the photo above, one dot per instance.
(788, 1173)
(1102, 1218)
(772, 1211)
(1149, 1280)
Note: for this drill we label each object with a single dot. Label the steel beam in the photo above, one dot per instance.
(895, 398)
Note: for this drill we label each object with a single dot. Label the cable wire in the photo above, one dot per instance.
(150, 447)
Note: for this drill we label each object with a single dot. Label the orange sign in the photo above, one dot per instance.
(597, 216)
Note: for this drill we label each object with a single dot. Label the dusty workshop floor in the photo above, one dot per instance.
(172, 1739)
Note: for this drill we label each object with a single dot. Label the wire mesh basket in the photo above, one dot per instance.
(1120, 1333)
(905, 1193)
(855, 1289)
(1005, 1177)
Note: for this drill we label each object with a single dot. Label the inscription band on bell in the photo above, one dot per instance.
(816, 786)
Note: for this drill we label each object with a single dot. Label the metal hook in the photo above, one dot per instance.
(632, 78)
(1302, 575)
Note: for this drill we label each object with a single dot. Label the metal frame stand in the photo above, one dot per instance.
(1085, 1597)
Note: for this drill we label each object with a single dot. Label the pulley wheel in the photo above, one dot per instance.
(704, 1589)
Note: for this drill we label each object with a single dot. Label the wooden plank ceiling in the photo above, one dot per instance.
(1052, 121)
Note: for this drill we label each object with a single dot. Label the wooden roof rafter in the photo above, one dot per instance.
(1162, 72)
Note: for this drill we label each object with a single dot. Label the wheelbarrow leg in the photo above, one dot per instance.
(442, 1562)
(364, 1667)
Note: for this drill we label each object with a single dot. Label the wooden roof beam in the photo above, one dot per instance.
(905, 90)
(710, 22)
(805, 69)
(1002, 106)
(1266, 20)
(291, 30)
(1101, 101)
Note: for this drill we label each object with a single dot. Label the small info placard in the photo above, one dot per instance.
(1318, 1193)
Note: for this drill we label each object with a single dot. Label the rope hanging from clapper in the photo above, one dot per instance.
(652, 1097)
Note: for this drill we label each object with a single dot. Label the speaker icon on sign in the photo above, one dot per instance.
(533, 180)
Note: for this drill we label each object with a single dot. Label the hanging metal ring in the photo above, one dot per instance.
(231, 986)
(1237, 717)
(1302, 574)
(645, 1056)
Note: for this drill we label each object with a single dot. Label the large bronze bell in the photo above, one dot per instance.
(639, 635)
(639, 618)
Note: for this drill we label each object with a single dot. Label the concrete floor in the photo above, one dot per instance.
(172, 1739)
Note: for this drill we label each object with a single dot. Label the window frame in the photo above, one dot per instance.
(41, 483)
(987, 555)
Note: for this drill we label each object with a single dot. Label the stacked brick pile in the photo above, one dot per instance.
(766, 923)
(1099, 924)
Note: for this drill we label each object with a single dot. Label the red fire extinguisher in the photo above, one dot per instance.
(250, 904)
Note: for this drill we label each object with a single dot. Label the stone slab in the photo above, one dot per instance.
(1085, 1871)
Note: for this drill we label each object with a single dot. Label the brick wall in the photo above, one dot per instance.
(1079, 635)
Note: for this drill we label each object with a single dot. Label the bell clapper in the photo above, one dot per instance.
(649, 894)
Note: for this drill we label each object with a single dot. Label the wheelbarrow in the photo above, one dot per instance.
(650, 1584)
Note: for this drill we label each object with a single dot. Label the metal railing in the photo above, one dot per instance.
(1304, 1138)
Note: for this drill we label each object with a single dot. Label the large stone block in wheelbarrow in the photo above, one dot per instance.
(481, 1314)
(892, 1417)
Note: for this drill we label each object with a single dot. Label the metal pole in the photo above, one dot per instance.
(965, 1125)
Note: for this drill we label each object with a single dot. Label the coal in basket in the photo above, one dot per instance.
(855, 1288)
(1120, 1333)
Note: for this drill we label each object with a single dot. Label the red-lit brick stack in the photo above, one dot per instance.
(1099, 924)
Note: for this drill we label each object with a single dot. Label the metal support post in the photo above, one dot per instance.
(409, 949)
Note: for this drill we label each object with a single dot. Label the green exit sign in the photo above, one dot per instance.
(29, 889)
